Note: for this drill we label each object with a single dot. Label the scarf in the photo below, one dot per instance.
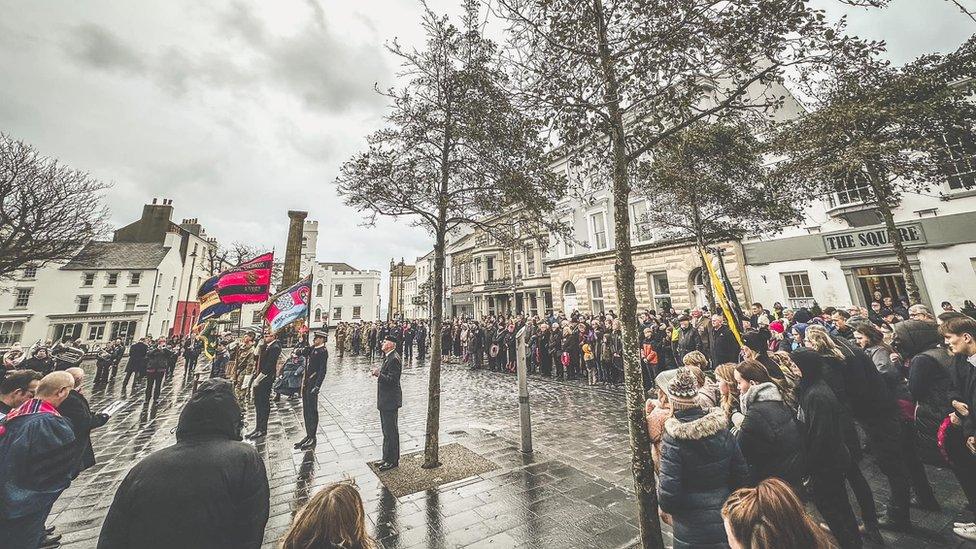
(32, 406)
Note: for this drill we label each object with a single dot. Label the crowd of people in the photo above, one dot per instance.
(748, 420)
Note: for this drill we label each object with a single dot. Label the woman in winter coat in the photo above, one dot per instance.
(571, 350)
(769, 437)
(700, 466)
(542, 350)
(825, 420)
(556, 350)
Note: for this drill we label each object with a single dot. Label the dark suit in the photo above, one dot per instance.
(77, 410)
(389, 399)
(318, 359)
(268, 366)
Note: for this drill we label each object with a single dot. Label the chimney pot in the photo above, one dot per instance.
(154, 201)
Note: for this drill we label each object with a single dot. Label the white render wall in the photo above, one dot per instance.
(328, 301)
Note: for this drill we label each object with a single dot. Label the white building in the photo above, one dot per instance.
(110, 290)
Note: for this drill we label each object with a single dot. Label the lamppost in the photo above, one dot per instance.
(186, 302)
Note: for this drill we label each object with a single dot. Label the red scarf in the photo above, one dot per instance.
(32, 406)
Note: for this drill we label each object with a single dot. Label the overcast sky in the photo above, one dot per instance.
(239, 111)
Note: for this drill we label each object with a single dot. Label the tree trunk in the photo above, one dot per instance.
(432, 439)
(640, 442)
(882, 196)
(700, 241)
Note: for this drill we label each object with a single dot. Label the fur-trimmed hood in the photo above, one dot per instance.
(714, 421)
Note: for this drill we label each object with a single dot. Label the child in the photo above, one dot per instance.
(590, 361)
(649, 358)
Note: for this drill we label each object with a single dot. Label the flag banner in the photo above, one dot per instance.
(208, 336)
(723, 302)
(290, 305)
(210, 304)
(249, 282)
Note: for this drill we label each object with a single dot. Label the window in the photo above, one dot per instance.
(10, 332)
(477, 271)
(798, 291)
(569, 246)
(530, 260)
(337, 313)
(852, 189)
(23, 297)
(357, 312)
(130, 302)
(318, 290)
(318, 314)
(169, 304)
(660, 290)
(84, 301)
(30, 272)
(596, 296)
(88, 279)
(640, 226)
(256, 317)
(598, 222)
(124, 330)
(135, 277)
(96, 331)
(113, 279)
(489, 268)
(338, 290)
(962, 161)
(109, 300)
(174, 284)
(357, 289)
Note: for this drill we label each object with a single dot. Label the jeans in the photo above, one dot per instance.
(391, 436)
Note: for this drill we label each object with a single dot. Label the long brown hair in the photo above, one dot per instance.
(334, 517)
(770, 516)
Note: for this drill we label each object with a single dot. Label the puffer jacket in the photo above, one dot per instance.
(770, 437)
(929, 383)
(700, 466)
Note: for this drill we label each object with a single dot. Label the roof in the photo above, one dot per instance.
(117, 255)
(338, 266)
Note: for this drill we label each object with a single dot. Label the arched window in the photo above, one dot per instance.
(318, 290)
(318, 312)
(569, 298)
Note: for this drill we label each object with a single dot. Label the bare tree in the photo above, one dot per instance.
(614, 78)
(48, 211)
(455, 152)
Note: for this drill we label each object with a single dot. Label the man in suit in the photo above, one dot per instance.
(268, 368)
(389, 399)
(77, 409)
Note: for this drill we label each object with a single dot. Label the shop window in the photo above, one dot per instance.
(96, 331)
(22, 300)
(660, 290)
(798, 290)
(10, 332)
(596, 295)
(84, 301)
(961, 167)
(124, 330)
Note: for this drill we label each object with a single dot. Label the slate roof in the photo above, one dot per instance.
(117, 255)
(338, 266)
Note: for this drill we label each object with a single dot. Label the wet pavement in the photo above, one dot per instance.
(575, 491)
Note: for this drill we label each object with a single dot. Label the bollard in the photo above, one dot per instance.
(525, 420)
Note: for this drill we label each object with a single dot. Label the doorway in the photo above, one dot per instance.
(569, 298)
(886, 281)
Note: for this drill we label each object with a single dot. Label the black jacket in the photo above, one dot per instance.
(825, 420)
(207, 491)
(137, 357)
(724, 348)
(770, 437)
(688, 341)
(388, 393)
(318, 361)
(269, 360)
(963, 376)
(77, 410)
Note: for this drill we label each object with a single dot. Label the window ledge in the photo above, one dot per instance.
(963, 193)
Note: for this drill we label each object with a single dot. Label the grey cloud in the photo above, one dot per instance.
(98, 47)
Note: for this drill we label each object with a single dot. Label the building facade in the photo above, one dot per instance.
(396, 307)
(342, 293)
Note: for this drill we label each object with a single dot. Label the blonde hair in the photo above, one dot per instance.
(771, 516)
(333, 517)
(820, 341)
(695, 358)
(726, 373)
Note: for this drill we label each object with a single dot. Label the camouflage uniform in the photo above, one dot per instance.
(243, 364)
(341, 338)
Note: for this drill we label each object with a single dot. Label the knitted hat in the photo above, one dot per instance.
(777, 326)
(682, 390)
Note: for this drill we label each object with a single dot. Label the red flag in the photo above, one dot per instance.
(249, 282)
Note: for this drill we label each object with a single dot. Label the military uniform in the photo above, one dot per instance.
(243, 364)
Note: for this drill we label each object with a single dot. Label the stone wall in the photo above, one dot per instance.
(678, 261)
